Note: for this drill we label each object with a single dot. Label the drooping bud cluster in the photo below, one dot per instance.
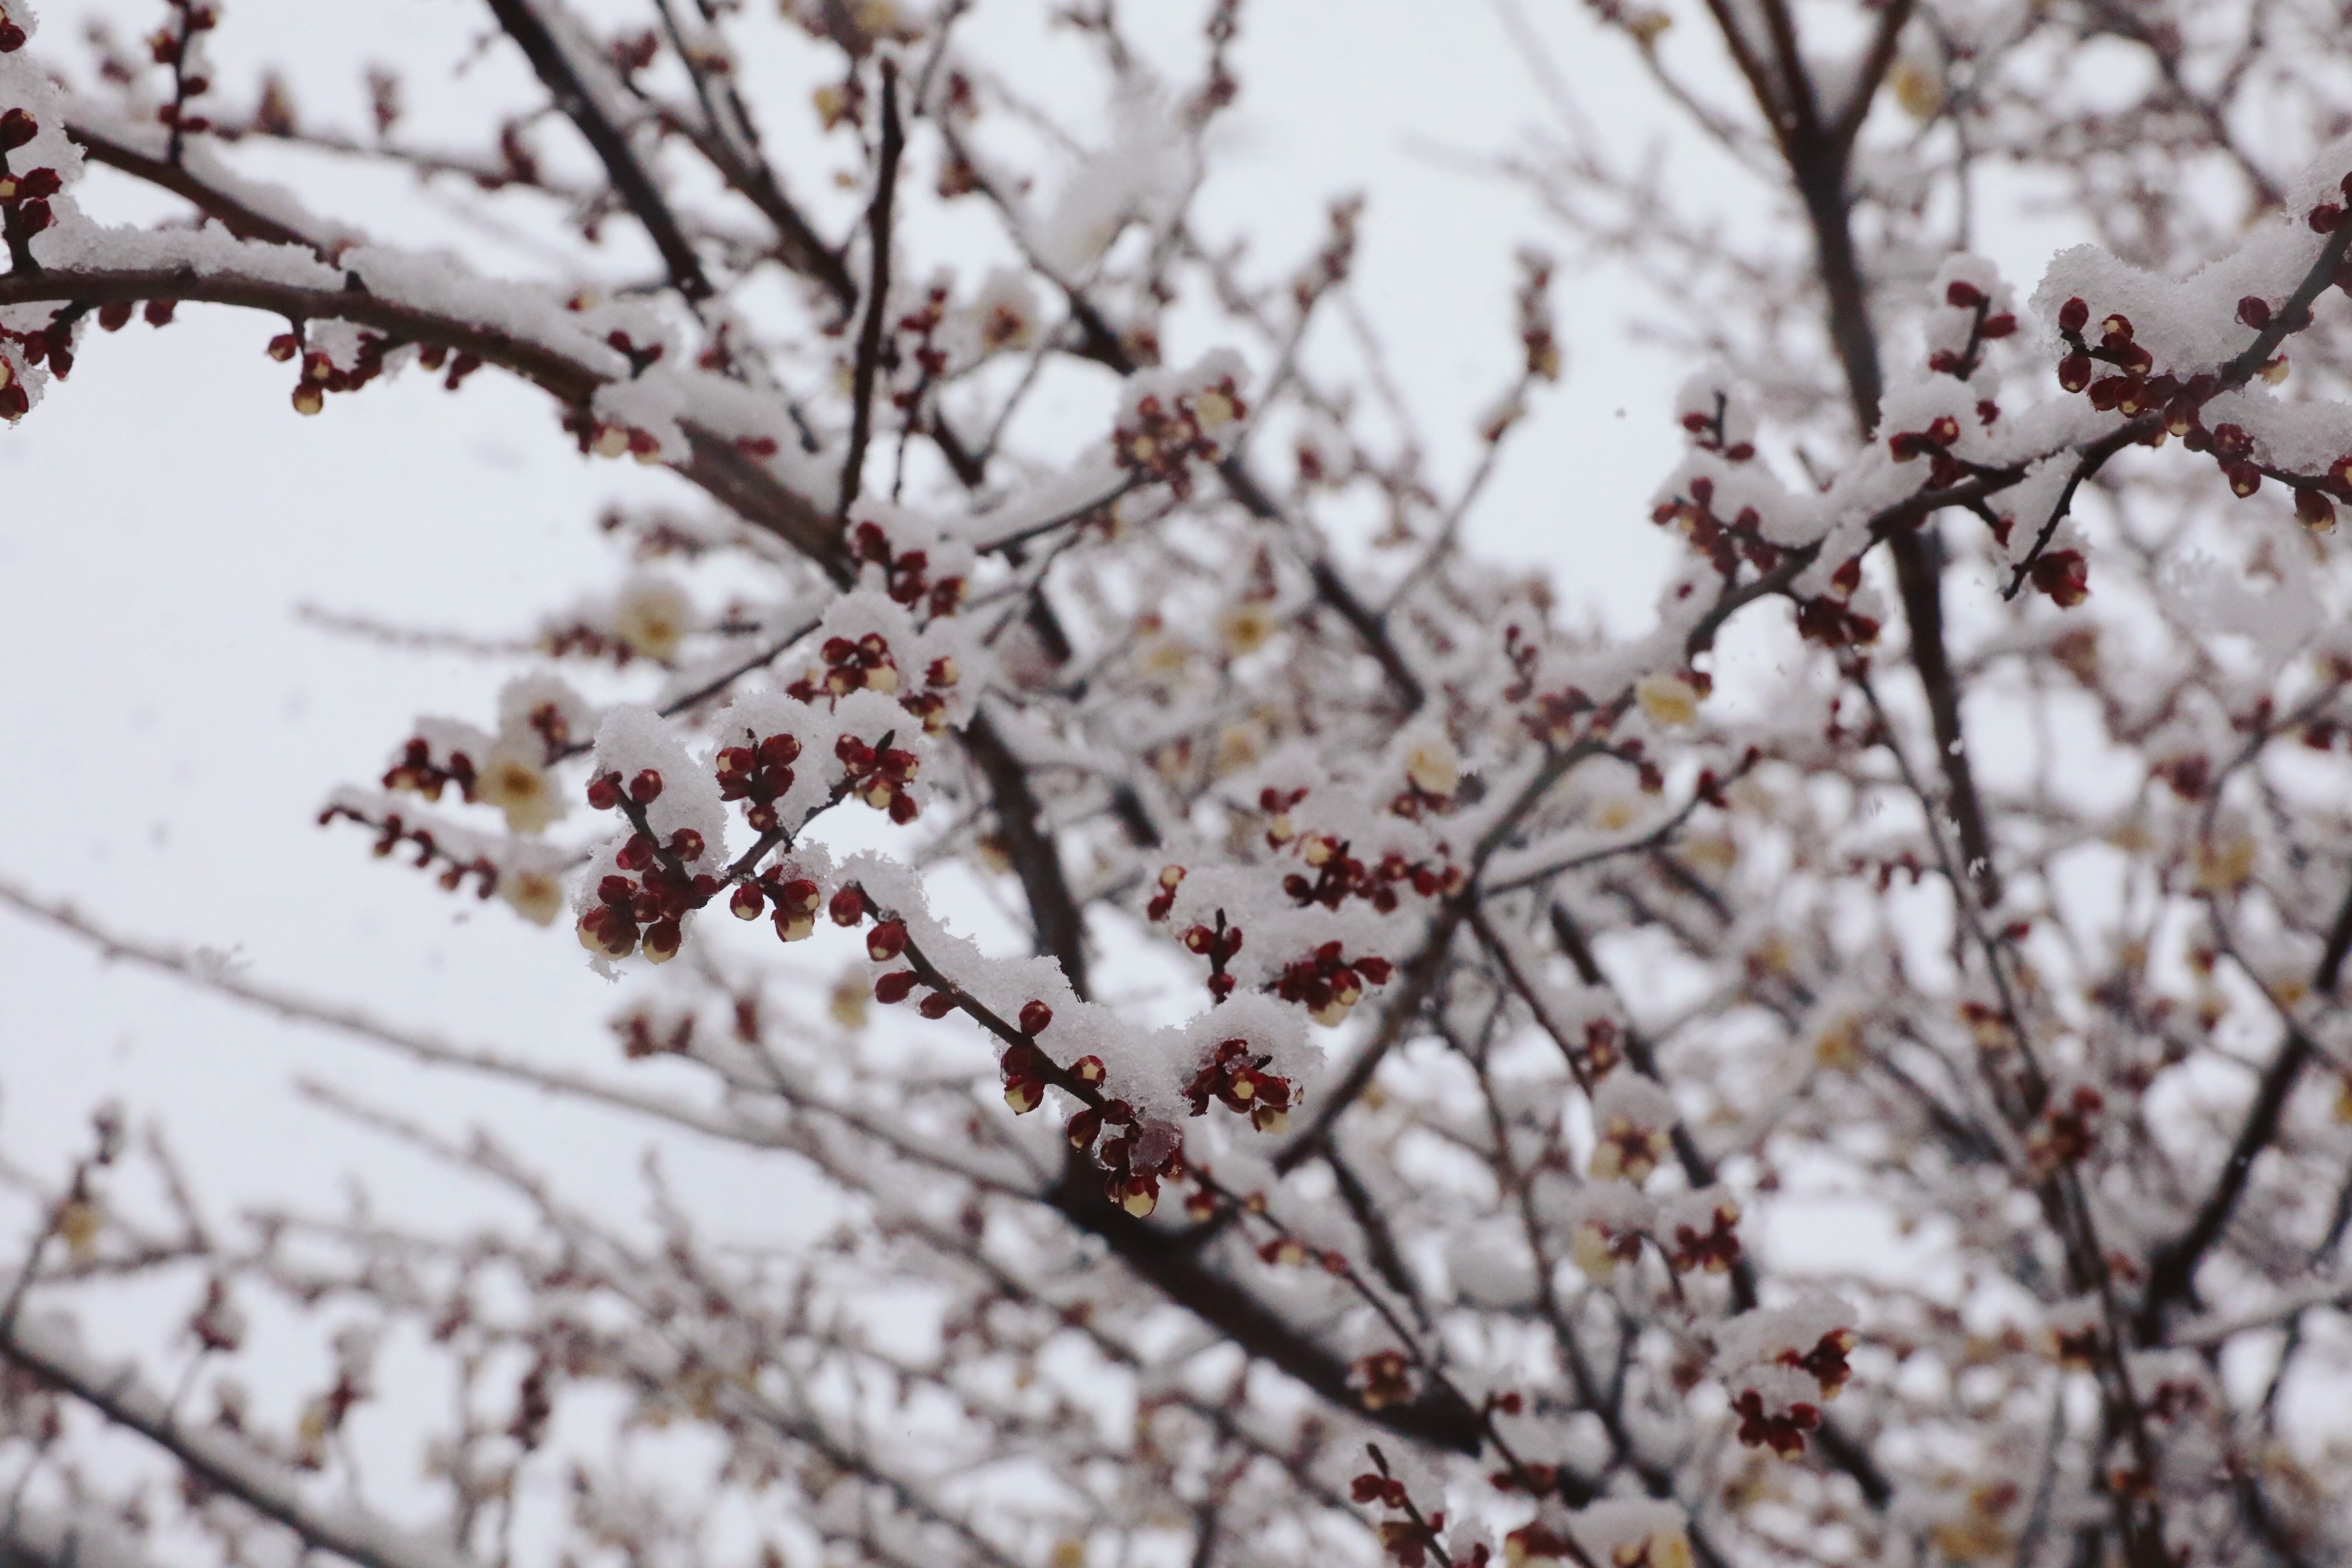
(1235, 1076)
(646, 900)
(1176, 423)
(1781, 1364)
(759, 773)
(1328, 984)
(907, 572)
(880, 776)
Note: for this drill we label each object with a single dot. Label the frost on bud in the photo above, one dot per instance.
(1034, 1017)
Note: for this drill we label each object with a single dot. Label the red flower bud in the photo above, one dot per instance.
(2254, 311)
(2065, 575)
(894, 987)
(1034, 1017)
(2073, 315)
(746, 902)
(1963, 296)
(886, 940)
(848, 907)
(2314, 510)
(647, 787)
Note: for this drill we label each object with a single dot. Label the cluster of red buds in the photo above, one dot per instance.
(652, 889)
(1553, 717)
(1410, 1540)
(1782, 1431)
(1935, 444)
(1724, 542)
(1236, 1077)
(641, 1037)
(1713, 1250)
(859, 664)
(26, 196)
(2068, 1130)
(917, 343)
(2176, 1398)
(1825, 1363)
(1834, 623)
(1326, 985)
(1164, 892)
(1382, 1379)
(1989, 326)
(1603, 1048)
(1218, 945)
(1164, 437)
(796, 900)
(394, 831)
(322, 375)
(2127, 388)
(2131, 390)
(641, 357)
(417, 772)
(1339, 876)
(176, 47)
(907, 572)
(1709, 432)
(760, 772)
(880, 776)
(1136, 1155)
